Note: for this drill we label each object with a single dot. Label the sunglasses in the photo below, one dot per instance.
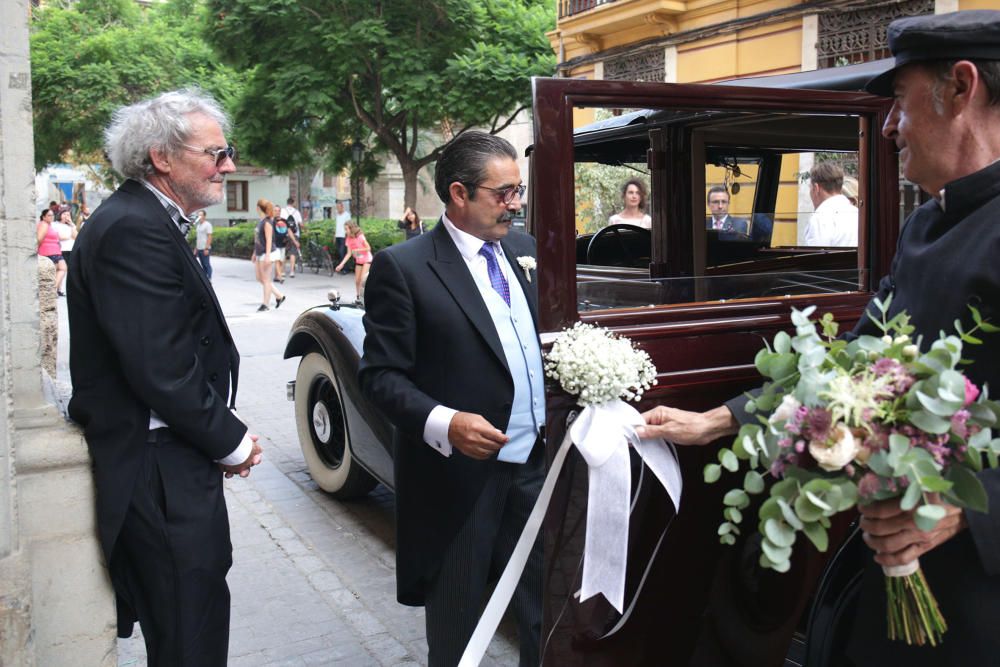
(220, 155)
(507, 194)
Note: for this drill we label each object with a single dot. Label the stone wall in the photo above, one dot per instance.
(56, 606)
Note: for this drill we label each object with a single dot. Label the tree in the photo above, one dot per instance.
(396, 75)
(91, 57)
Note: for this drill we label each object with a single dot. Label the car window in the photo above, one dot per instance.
(677, 207)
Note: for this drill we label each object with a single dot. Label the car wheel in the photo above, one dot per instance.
(323, 434)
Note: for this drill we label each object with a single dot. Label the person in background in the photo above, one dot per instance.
(411, 224)
(850, 190)
(719, 218)
(280, 239)
(296, 226)
(343, 217)
(263, 249)
(358, 248)
(47, 237)
(634, 201)
(834, 222)
(82, 216)
(203, 242)
(67, 233)
(153, 363)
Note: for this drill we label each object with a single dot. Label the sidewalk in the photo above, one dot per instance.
(313, 579)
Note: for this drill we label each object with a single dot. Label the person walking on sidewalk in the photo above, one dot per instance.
(203, 242)
(153, 363)
(264, 255)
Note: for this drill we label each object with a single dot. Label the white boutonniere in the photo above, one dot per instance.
(528, 264)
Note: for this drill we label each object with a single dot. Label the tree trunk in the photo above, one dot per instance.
(410, 171)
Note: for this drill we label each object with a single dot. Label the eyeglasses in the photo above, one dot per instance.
(219, 154)
(507, 194)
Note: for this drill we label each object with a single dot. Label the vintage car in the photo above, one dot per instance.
(700, 302)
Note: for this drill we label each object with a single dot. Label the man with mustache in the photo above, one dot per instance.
(452, 357)
(154, 372)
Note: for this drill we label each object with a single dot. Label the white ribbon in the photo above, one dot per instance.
(602, 433)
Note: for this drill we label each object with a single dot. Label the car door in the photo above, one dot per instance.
(701, 302)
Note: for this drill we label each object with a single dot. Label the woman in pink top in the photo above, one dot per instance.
(48, 246)
(358, 246)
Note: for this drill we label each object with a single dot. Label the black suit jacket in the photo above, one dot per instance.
(430, 341)
(146, 333)
(732, 225)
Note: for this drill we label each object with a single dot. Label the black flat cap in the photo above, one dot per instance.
(968, 35)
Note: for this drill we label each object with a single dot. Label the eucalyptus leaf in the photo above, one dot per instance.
(938, 406)
(774, 553)
(788, 514)
(806, 510)
(910, 498)
(927, 516)
(729, 460)
(817, 535)
(878, 462)
(782, 343)
(935, 484)
(753, 482)
(779, 533)
(733, 515)
(712, 473)
(736, 498)
(967, 488)
(728, 538)
(725, 528)
(925, 421)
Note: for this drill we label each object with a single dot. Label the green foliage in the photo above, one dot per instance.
(811, 369)
(393, 75)
(237, 241)
(91, 57)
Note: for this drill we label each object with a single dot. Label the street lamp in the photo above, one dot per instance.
(356, 149)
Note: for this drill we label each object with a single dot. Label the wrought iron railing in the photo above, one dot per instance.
(571, 7)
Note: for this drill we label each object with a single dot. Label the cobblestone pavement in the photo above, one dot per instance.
(313, 578)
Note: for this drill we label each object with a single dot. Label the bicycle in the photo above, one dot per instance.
(317, 257)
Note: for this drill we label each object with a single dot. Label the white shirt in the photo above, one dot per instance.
(203, 231)
(438, 421)
(342, 219)
(242, 451)
(833, 224)
(292, 213)
(65, 233)
(617, 219)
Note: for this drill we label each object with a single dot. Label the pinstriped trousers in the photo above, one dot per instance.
(478, 555)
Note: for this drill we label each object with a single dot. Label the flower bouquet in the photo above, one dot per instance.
(601, 370)
(850, 423)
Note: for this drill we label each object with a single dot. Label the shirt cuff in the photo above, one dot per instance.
(436, 429)
(241, 453)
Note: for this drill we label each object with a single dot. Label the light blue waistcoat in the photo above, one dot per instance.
(524, 359)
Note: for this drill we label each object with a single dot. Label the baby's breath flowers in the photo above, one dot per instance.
(597, 366)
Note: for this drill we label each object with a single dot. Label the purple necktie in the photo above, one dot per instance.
(496, 276)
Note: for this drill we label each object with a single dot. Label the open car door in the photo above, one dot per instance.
(701, 302)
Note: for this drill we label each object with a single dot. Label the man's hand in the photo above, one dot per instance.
(475, 437)
(243, 469)
(688, 428)
(894, 537)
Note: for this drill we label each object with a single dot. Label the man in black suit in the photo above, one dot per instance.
(945, 120)
(452, 357)
(720, 220)
(151, 359)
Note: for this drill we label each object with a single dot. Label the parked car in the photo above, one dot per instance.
(700, 302)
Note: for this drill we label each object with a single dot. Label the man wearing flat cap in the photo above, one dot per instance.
(945, 121)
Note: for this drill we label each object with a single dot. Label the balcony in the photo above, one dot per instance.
(569, 8)
(596, 24)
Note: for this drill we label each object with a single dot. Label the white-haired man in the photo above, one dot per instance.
(153, 363)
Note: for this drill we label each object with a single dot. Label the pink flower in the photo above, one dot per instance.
(959, 419)
(869, 485)
(971, 392)
(817, 424)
